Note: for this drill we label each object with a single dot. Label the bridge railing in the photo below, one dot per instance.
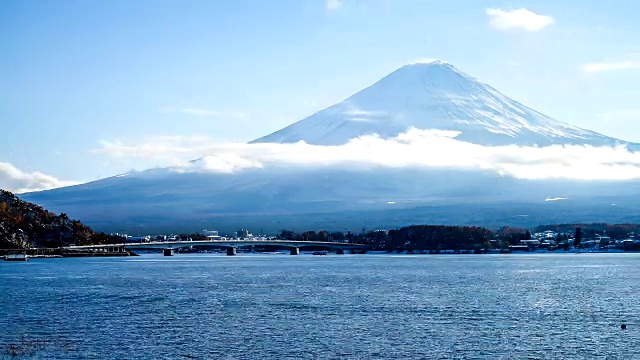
(223, 243)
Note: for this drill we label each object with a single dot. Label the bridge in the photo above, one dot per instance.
(230, 245)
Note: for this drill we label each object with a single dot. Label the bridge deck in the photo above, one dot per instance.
(223, 243)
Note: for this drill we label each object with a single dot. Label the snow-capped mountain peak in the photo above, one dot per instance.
(434, 95)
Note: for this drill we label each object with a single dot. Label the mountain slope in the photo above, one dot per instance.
(434, 95)
(336, 199)
(346, 197)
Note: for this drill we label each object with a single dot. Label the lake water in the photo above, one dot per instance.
(208, 306)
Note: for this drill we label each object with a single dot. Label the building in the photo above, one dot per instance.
(602, 240)
(146, 238)
(208, 233)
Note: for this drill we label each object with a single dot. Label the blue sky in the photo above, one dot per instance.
(76, 75)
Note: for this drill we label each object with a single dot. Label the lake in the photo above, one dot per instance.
(209, 306)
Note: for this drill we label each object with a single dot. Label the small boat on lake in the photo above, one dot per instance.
(320, 253)
(16, 257)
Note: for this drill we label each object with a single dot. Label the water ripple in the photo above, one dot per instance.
(343, 307)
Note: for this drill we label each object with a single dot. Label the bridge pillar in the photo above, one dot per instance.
(231, 251)
(168, 252)
(339, 251)
(295, 251)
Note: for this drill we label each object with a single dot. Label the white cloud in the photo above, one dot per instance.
(556, 199)
(415, 148)
(355, 113)
(162, 150)
(610, 66)
(519, 18)
(334, 4)
(18, 181)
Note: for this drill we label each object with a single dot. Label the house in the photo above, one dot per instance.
(602, 241)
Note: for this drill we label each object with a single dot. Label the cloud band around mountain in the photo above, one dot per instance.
(414, 148)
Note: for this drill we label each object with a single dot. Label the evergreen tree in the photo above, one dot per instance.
(577, 239)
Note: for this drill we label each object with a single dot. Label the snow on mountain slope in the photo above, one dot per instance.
(435, 95)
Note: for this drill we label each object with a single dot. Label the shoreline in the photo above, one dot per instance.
(47, 253)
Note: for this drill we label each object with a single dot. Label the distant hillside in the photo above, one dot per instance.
(23, 225)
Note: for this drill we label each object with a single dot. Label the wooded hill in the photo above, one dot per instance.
(24, 225)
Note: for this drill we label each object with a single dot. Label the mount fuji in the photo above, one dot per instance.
(435, 95)
(428, 96)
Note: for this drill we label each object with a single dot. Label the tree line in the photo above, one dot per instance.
(416, 237)
(458, 238)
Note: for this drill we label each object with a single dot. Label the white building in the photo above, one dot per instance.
(603, 240)
(146, 238)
